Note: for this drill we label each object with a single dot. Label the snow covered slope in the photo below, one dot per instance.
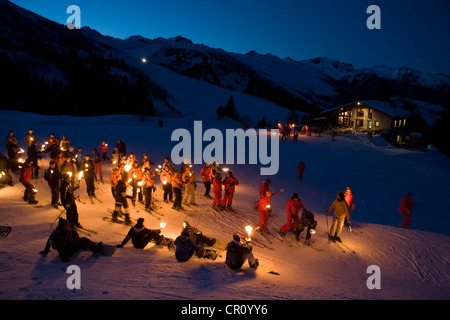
(414, 264)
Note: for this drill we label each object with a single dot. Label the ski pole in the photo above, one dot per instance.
(328, 231)
(58, 217)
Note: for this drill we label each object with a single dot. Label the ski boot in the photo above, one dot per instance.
(254, 265)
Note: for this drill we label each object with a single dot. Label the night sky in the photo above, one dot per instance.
(414, 33)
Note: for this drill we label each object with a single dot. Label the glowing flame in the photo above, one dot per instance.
(35, 190)
(127, 167)
(140, 183)
(225, 169)
(162, 225)
(249, 230)
(312, 231)
(80, 175)
(70, 174)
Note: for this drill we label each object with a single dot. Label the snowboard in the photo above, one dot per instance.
(107, 250)
(4, 231)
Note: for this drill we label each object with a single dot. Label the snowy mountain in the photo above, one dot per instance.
(414, 263)
(178, 75)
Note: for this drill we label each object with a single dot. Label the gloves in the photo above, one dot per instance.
(119, 246)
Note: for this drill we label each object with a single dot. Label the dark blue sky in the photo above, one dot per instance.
(414, 33)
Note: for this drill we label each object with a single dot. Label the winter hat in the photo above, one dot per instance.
(295, 196)
(62, 222)
(236, 237)
(140, 223)
(185, 232)
(341, 196)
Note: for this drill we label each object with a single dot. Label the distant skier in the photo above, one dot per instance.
(67, 242)
(306, 221)
(121, 148)
(140, 236)
(293, 207)
(104, 150)
(404, 208)
(186, 248)
(238, 252)
(341, 212)
(300, 170)
(97, 164)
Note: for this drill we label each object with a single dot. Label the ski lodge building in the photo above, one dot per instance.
(367, 116)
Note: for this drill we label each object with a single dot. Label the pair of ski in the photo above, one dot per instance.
(342, 246)
(5, 231)
(94, 197)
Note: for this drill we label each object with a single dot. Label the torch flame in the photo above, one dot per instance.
(80, 175)
(162, 225)
(249, 232)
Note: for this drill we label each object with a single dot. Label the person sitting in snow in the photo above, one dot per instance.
(140, 236)
(186, 248)
(238, 252)
(198, 237)
(67, 242)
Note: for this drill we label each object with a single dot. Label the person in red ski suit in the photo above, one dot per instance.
(293, 207)
(264, 208)
(229, 184)
(405, 206)
(206, 175)
(349, 199)
(25, 178)
(217, 188)
(300, 169)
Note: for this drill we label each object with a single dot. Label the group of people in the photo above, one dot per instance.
(191, 242)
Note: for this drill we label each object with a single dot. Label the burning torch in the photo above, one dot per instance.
(249, 230)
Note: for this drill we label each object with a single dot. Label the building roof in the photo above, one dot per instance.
(381, 106)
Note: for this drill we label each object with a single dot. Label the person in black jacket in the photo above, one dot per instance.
(238, 252)
(53, 178)
(89, 175)
(306, 221)
(121, 148)
(186, 248)
(68, 200)
(67, 242)
(140, 236)
(33, 154)
(121, 198)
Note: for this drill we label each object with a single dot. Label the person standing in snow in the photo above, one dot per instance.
(104, 149)
(166, 178)
(264, 208)
(53, 178)
(68, 200)
(229, 184)
(341, 212)
(348, 194)
(148, 185)
(189, 181)
(186, 248)
(121, 148)
(25, 178)
(217, 188)
(30, 137)
(140, 236)
(239, 252)
(300, 170)
(177, 184)
(135, 174)
(4, 169)
(34, 154)
(293, 207)
(13, 155)
(404, 208)
(121, 198)
(97, 164)
(206, 175)
(89, 175)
